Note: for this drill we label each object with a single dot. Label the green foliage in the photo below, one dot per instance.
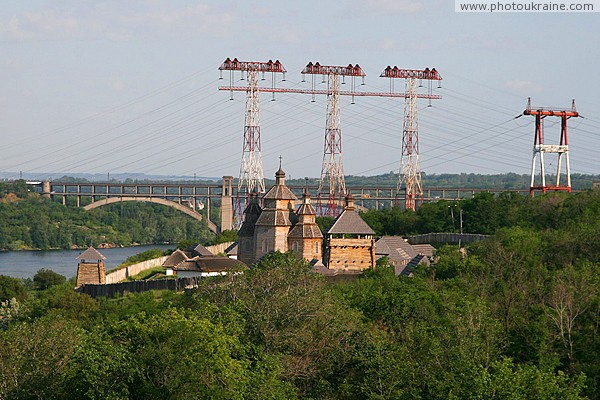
(494, 322)
(324, 223)
(143, 256)
(12, 288)
(19, 188)
(229, 235)
(45, 278)
(38, 223)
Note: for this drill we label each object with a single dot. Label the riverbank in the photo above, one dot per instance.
(25, 263)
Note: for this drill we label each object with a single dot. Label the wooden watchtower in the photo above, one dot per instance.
(90, 267)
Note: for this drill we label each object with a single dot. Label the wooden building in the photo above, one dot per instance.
(349, 244)
(277, 226)
(90, 267)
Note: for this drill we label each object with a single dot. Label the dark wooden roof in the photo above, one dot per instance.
(199, 250)
(349, 222)
(232, 249)
(407, 271)
(271, 217)
(176, 258)
(426, 249)
(394, 246)
(210, 264)
(251, 214)
(305, 231)
(91, 254)
(280, 192)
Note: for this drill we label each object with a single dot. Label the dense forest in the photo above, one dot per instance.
(464, 180)
(516, 316)
(29, 221)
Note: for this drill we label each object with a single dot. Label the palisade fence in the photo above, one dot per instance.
(134, 269)
(446, 238)
(122, 288)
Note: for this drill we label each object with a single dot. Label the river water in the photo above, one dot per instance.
(24, 264)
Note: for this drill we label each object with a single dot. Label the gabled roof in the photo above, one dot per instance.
(426, 249)
(350, 222)
(176, 258)
(200, 250)
(91, 254)
(407, 271)
(232, 249)
(210, 264)
(388, 245)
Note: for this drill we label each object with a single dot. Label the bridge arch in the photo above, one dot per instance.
(156, 200)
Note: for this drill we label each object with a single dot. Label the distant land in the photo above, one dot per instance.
(507, 180)
(119, 177)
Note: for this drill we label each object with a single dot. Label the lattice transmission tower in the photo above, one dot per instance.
(410, 170)
(332, 184)
(539, 148)
(251, 177)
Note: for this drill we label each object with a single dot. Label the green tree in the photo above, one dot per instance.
(12, 288)
(46, 278)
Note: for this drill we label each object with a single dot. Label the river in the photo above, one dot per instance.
(24, 264)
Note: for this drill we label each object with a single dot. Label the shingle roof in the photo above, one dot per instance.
(389, 244)
(175, 258)
(251, 214)
(351, 223)
(200, 250)
(407, 271)
(270, 217)
(232, 249)
(188, 265)
(426, 249)
(210, 264)
(305, 231)
(219, 264)
(91, 254)
(280, 192)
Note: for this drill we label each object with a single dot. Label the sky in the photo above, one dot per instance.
(133, 86)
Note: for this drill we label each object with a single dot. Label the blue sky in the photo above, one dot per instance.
(114, 86)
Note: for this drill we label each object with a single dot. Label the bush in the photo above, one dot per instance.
(46, 278)
(12, 288)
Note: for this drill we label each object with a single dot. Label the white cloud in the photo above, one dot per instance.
(116, 21)
(523, 87)
(388, 44)
(389, 7)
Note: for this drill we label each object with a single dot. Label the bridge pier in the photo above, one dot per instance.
(227, 203)
(46, 189)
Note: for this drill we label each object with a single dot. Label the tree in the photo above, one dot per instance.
(45, 278)
(572, 293)
(12, 288)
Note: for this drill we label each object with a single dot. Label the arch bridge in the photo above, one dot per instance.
(191, 198)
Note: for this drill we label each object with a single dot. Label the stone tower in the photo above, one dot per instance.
(246, 239)
(276, 219)
(90, 268)
(305, 238)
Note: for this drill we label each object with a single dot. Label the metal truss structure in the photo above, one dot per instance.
(410, 170)
(332, 185)
(251, 177)
(539, 148)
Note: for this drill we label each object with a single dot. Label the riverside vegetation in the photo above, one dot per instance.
(28, 221)
(516, 317)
